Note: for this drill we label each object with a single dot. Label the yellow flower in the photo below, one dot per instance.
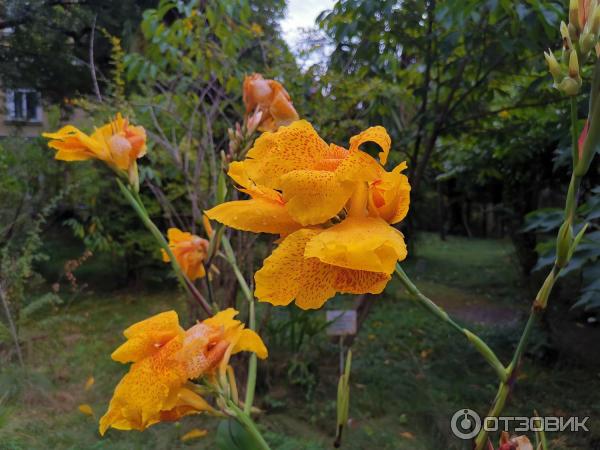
(389, 195)
(271, 99)
(117, 143)
(315, 179)
(164, 358)
(189, 251)
(333, 208)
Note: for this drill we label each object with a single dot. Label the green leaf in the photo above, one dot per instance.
(231, 435)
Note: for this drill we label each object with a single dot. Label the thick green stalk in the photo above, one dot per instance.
(252, 362)
(541, 299)
(477, 342)
(574, 134)
(135, 201)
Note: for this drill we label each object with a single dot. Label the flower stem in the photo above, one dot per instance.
(135, 201)
(541, 299)
(252, 362)
(245, 419)
(477, 342)
(574, 134)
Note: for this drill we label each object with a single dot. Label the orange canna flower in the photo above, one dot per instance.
(189, 250)
(333, 208)
(117, 143)
(271, 99)
(165, 357)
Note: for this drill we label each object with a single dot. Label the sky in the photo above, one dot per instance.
(301, 14)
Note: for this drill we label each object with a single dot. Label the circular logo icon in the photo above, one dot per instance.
(465, 424)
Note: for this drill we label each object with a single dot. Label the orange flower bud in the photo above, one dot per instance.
(189, 250)
(271, 99)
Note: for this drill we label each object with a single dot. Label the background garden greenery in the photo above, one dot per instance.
(462, 89)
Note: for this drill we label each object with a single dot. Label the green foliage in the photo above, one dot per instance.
(463, 90)
(46, 45)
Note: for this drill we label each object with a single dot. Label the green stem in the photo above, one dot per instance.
(135, 201)
(252, 362)
(574, 134)
(539, 305)
(475, 340)
(249, 424)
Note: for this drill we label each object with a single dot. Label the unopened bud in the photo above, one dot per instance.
(563, 244)
(573, 65)
(570, 86)
(574, 13)
(587, 41)
(573, 32)
(553, 65)
(595, 27)
(564, 32)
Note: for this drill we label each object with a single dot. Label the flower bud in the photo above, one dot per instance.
(569, 86)
(573, 65)
(553, 65)
(595, 26)
(564, 32)
(574, 13)
(573, 32)
(563, 244)
(587, 41)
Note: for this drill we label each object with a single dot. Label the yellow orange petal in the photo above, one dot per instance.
(286, 275)
(293, 147)
(314, 196)
(148, 336)
(143, 392)
(223, 319)
(359, 243)
(390, 195)
(175, 235)
(359, 281)
(377, 135)
(258, 215)
(250, 341)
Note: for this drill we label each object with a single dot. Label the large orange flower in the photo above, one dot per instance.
(271, 99)
(332, 206)
(164, 358)
(117, 143)
(189, 250)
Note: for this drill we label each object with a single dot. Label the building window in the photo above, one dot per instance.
(23, 105)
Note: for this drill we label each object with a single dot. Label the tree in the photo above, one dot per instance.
(48, 45)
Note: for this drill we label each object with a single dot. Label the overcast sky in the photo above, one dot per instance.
(302, 14)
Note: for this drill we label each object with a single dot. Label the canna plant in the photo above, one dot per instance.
(334, 210)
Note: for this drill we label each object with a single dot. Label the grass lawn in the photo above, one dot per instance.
(410, 372)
